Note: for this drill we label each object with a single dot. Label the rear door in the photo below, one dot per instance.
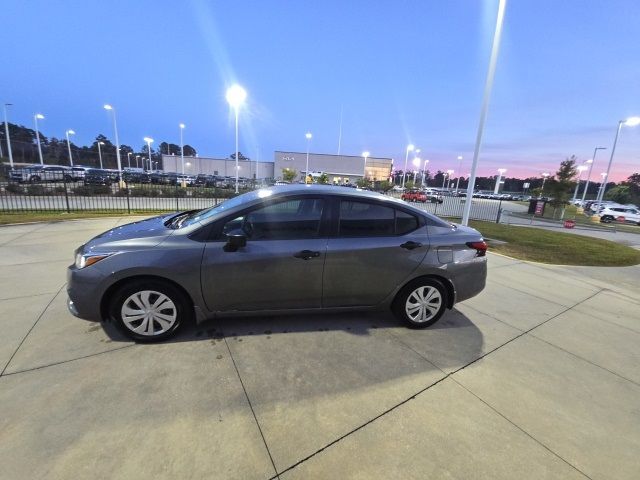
(281, 266)
(374, 247)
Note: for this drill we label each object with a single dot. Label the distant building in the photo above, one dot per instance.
(223, 167)
(339, 168)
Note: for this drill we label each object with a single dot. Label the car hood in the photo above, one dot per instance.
(143, 234)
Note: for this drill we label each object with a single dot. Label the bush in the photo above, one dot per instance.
(14, 188)
(59, 189)
(36, 190)
(89, 190)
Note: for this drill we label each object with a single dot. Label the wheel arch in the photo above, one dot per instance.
(109, 292)
(448, 285)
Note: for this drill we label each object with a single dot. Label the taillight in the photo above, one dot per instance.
(479, 247)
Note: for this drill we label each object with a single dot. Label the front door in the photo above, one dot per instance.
(280, 267)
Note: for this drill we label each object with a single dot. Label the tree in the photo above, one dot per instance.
(323, 179)
(240, 156)
(189, 151)
(289, 174)
(385, 185)
(561, 186)
(409, 185)
(363, 183)
(619, 194)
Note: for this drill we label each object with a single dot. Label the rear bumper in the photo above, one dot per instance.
(470, 280)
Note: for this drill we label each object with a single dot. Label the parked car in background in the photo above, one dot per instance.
(611, 214)
(136, 177)
(78, 172)
(96, 176)
(414, 195)
(187, 179)
(41, 173)
(287, 246)
(203, 180)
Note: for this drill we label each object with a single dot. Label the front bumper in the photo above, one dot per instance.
(84, 292)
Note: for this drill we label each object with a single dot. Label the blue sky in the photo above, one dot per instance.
(400, 71)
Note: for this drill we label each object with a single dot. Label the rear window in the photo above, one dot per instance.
(362, 219)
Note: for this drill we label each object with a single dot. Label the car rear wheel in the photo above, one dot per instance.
(149, 311)
(421, 303)
(606, 219)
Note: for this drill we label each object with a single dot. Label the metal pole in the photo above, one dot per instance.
(6, 129)
(237, 165)
(149, 150)
(575, 193)
(485, 107)
(100, 155)
(444, 178)
(404, 170)
(129, 159)
(613, 151)
(184, 180)
(593, 160)
(459, 170)
(115, 129)
(35, 117)
(69, 148)
(306, 172)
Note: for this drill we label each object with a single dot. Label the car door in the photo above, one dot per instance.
(374, 247)
(281, 266)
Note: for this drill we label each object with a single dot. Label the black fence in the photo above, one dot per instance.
(68, 196)
(453, 207)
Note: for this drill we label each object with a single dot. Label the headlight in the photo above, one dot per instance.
(83, 261)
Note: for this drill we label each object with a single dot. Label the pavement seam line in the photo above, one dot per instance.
(522, 430)
(62, 362)
(24, 234)
(255, 418)
(447, 375)
(31, 329)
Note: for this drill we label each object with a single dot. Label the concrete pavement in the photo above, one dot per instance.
(535, 378)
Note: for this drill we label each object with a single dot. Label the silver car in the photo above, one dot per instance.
(285, 249)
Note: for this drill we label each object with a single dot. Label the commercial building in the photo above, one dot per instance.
(339, 168)
(224, 167)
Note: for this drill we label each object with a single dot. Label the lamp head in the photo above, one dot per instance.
(632, 121)
(308, 135)
(236, 95)
(108, 107)
(39, 116)
(182, 125)
(70, 132)
(148, 139)
(410, 147)
(366, 154)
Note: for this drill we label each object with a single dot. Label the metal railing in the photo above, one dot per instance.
(452, 207)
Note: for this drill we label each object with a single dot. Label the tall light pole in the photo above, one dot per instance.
(137, 165)
(149, 141)
(591, 161)
(485, 107)
(424, 171)
(100, 153)
(444, 178)
(416, 163)
(6, 130)
(236, 96)
(129, 159)
(67, 133)
(459, 170)
(496, 189)
(580, 169)
(544, 179)
(629, 122)
(184, 181)
(364, 172)
(602, 186)
(115, 130)
(410, 148)
(308, 136)
(449, 173)
(36, 117)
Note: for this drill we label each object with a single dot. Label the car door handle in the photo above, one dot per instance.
(306, 254)
(410, 245)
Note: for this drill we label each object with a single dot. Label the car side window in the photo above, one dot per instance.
(288, 220)
(405, 222)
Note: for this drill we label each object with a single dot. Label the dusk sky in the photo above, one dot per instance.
(400, 72)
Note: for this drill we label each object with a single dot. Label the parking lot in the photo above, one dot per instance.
(537, 377)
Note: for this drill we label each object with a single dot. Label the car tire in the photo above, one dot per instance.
(34, 179)
(151, 324)
(421, 303)
(606, 219)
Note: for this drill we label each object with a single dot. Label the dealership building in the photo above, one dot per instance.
(339, 169)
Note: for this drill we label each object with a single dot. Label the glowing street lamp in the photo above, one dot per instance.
(36, 117)
(100, 153)
(236, 95)
(410, 148)
(115, 130)
(629, 122)
(459, 169)
(184, 181)
(580, 169)
(498, 180)
(129, 159)
(544, 179)
(364, 172)
(424, 172)
(308, 136)
(444, 177)
(67, 133)
(149, 141)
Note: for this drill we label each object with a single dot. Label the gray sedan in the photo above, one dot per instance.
(285, 249)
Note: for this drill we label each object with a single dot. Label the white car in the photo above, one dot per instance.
(610, 214)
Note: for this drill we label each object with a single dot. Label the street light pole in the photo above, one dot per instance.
(149, 141)
(67, 133)
(100, 153)
(129, 159)
(115, 130)
(544, 179)
(424, 171)
(236, 95)
(581, 169)
(459, 170)
(364, 171)
(485, 107)
(36, 117)
(629, 122)
(406, 159)
(137, 165)
(184, 181)
(306, 172)
(592, 161)
(6, 130)
(496, 189)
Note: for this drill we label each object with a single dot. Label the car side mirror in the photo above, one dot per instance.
(235, 239)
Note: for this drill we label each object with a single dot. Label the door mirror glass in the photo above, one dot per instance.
(235, 239)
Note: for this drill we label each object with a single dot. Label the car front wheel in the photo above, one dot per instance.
(606, 219)
(149, 311)
(421, 303)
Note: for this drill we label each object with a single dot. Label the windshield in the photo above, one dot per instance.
(225, 206)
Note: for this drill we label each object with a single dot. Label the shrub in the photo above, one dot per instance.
(14, 188)
(89, 190)
(36, 190)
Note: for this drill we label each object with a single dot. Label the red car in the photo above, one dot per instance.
(418, 196)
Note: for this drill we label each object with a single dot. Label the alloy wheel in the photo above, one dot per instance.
(148, 313)
(423, 304)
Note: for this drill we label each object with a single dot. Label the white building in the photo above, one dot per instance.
(224, 167)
